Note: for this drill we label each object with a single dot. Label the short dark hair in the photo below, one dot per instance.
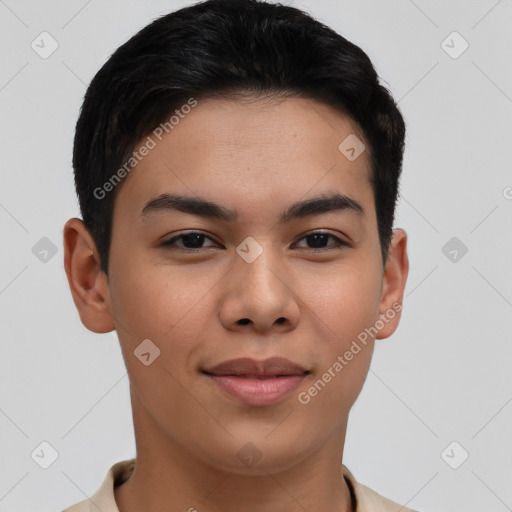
(225, 49)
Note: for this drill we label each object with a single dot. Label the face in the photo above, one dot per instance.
(207, 285)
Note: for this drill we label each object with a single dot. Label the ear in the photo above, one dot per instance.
(395, 277)
(88, 284)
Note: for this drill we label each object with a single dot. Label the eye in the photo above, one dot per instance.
(319, 238)
(192, 240)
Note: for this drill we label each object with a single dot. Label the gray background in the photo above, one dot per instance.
(444, 376)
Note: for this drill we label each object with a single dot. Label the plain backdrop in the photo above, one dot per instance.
(439, 390)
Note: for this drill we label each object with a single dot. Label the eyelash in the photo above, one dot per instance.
(170, 244)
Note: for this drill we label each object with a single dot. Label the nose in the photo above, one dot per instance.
(259, 296)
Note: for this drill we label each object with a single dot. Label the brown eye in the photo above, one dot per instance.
(190, 241)
(318, 240)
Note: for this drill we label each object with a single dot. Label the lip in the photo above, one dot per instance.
(257, 383)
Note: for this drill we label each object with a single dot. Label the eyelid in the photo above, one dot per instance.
(340, 242)
(170, 241)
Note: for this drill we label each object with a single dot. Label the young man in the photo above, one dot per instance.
(237, 167)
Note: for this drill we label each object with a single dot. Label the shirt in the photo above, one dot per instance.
(364, 498)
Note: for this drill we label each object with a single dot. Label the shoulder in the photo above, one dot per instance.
(103, 499)
(367, 500)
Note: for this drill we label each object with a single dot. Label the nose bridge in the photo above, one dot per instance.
(258, 291)
(258, 266)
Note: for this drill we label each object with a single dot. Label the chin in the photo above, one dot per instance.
(256, 454)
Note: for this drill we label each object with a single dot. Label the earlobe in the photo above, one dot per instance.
(395, 278)
(88, 284)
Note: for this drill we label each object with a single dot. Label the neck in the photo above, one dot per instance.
(168, 477)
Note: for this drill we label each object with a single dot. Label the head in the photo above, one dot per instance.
(269, 137)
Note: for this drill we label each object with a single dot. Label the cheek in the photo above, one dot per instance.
(160, 300)
(172, 308)
(163, 305)
(343, 301)
(345, 306)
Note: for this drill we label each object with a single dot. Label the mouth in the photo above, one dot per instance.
(257, 383)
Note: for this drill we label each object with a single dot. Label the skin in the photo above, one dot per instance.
(257, 157)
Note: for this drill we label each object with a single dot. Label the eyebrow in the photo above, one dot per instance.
(207, 209)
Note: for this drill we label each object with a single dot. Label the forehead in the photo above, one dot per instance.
(260, 152)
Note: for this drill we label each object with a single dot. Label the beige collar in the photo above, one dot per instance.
(365, 499)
